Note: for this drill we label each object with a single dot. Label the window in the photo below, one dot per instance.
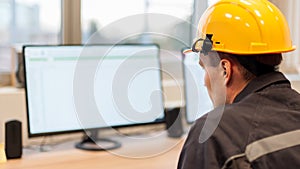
(210, 2)
(27, 21)
(137, 21)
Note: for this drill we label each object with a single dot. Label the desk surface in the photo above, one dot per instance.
(153, 151)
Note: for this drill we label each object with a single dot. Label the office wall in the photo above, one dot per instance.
(12, 107)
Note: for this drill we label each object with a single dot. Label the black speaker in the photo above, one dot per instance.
(174, 122)
(13, 139)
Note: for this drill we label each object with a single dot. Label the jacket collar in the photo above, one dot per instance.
(261, 82)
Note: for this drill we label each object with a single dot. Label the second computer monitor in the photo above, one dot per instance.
(197, 99)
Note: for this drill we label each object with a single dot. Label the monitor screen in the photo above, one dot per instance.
(197, 99)
(72, 88)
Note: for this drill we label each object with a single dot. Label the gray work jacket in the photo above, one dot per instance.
(260, 130)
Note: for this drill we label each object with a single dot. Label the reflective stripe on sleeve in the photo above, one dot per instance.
(231, 159)
(272, 144)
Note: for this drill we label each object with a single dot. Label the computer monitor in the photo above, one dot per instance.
(197, 99)
(71, 88)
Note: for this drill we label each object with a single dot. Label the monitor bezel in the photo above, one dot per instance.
(31, 135)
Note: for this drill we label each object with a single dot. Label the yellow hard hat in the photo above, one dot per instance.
(243, 27)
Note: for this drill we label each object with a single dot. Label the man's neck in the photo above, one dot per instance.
(235, 88)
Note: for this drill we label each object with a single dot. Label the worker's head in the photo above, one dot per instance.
(238, 40)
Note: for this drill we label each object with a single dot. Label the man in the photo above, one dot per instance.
(256, 114)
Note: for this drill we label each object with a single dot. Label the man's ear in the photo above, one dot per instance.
(227, 70)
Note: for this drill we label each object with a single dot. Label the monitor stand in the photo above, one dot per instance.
(91, 142)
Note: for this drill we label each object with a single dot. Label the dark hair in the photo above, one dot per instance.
(251, 65)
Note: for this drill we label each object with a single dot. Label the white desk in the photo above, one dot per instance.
(151, 151)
